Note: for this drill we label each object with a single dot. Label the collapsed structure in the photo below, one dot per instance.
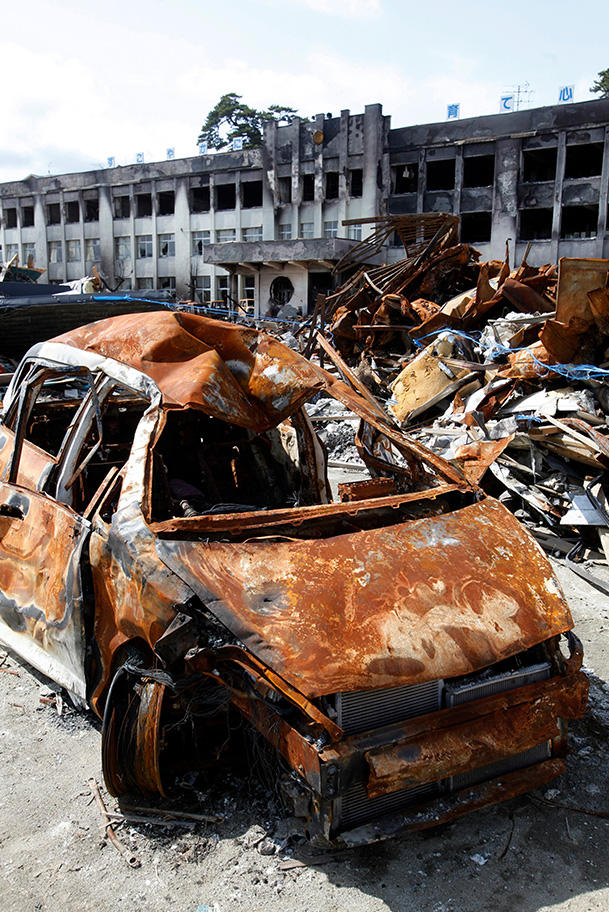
(491, 367)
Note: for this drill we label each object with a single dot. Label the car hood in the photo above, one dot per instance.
(430, 598)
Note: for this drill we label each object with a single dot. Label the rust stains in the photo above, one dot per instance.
(470, 582)
(456, 749)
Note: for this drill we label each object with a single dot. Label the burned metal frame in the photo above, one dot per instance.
(432, 582)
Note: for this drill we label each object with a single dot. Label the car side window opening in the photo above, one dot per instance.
(53, 411)
(106, 445)
(40, 418)
(203, 465)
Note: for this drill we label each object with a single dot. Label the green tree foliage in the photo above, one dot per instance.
(601, 85)
(231, 118)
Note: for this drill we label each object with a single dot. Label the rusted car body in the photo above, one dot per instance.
(170, 553)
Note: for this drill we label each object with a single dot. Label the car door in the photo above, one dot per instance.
(41, 541)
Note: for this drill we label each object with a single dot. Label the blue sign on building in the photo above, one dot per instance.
(506, 104)
(139, 157)
(171, 153)
(203, 148)
(237, 144)
(452, 111)
(111, 161)
(566, 94)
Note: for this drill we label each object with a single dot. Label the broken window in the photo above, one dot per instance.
(53, 214)
(107, 444)
(538, 165)
(222, 290)
(331, 229)
(167, 245)
(225, 235)
(405, 178)
(166, 202)
(307, 230)
(73, 251)
(144, 283)
(199, 240)
(11, 251)
(578, 222)
(167, 282)
(475, 227)
(479, 171)
(248, 286)
(27, 216)
(143, 205)
(122, 207)
(226, 196)
(122, 248)
(92, 250)
(72, 211)
(535, 224)
(204, 465)
(441, 174)
(10, 217)
(251, 194)
(285, 231)
(203, 289)
(308, 188)
(331, 185)
(356, 182)
(29, 252)
(199, 199)
(252, 234)
(55, 252)
(92, 210)
(285, 189)
(143, 245)
(584, 160)
(52, 411)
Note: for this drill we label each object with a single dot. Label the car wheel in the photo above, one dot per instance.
(132, 735)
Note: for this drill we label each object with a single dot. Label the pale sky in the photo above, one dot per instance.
(86, 80)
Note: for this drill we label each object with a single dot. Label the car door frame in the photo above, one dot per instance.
(41, 546)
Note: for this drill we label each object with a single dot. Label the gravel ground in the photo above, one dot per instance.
(526, 854)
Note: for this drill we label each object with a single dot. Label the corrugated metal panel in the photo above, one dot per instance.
(361, 710)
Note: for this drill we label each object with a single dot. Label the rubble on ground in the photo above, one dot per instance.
(502, 370)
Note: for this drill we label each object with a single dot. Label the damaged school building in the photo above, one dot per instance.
(265, 226)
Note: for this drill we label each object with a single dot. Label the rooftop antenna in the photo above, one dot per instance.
(522, 94)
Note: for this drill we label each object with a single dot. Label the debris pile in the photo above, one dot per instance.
(494, 368)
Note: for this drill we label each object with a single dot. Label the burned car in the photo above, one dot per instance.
(170, 553)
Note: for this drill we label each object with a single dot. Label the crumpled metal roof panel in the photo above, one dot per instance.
(232, 372)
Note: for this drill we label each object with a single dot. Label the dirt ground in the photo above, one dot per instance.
(526, 855)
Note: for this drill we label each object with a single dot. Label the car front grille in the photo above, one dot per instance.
(354, 807)
(361, 711)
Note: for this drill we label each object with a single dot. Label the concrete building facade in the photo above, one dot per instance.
(264, 226)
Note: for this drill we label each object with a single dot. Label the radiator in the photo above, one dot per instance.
(354, 807)
(487, 684)
(501, 767)
(361, 711)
